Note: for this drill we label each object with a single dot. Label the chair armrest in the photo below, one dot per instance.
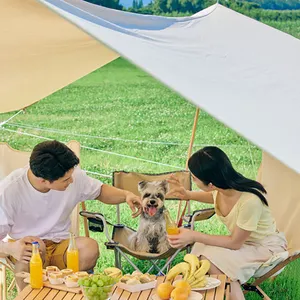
(97, 222)
(5, 261)
(199, 215)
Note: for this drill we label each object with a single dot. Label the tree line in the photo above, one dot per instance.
(256, 9)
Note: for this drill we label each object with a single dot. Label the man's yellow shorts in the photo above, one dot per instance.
(55, 253)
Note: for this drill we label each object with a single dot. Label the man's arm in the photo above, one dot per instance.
(3, 249)
(21, 249)
(112, 195)
(4, 231)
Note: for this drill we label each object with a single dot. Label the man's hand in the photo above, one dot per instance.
(21, 249)
(185, 237)
(134, 203)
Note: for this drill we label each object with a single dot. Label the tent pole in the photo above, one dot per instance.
(190, 149)
(192, 137)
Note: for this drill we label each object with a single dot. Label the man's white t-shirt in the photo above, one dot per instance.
(24, 211)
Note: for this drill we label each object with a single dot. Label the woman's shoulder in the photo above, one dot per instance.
(214, 195)
(249, 199)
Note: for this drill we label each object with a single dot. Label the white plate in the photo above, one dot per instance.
(193, 296)
(211, 284)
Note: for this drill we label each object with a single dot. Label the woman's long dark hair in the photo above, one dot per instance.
(212, 165)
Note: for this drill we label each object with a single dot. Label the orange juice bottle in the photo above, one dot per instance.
(36, 267)
(72, 255)
(171, 226)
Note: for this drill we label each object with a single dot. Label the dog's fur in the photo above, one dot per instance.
(151, 234)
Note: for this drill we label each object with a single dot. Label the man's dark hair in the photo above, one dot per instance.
(51, 160)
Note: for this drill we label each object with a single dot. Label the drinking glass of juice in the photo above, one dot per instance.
(72, 255)
(36, 267)
(171, 226)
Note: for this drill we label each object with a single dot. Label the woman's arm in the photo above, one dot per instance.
(205, 197)
(233, 241)
(178, 191)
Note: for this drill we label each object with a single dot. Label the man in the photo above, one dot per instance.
(36, 203)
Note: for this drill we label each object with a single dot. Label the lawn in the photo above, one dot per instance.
(119, 109)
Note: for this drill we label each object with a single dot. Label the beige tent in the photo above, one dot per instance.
(232, 76)
(41, 53)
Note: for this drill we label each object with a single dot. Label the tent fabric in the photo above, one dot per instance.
(282, 185)
(239, 70)
(41, 53)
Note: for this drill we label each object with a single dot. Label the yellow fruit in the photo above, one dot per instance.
(193, 280)
(203, 269)
(184, 285)
(201, 282)
(164, 290)
(181, 268)
(193, 260)
(179, 294)
(113, 272)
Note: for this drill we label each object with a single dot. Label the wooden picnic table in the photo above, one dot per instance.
(219, 293)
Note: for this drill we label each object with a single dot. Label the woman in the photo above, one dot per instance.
(241, 204)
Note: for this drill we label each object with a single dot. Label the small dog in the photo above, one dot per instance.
(151, 234)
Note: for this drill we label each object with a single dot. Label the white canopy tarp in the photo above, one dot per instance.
(241, 71)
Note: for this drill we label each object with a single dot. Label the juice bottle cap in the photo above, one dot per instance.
(35, 243)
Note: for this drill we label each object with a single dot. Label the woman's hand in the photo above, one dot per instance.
(185, 237)
(178, 190)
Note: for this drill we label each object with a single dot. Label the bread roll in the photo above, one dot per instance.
(82, 274)
(56, 277)
(51, 269)
(71, 281)
(67, 272)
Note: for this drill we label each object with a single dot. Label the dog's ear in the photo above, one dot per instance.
(142, 185)
(165, 186)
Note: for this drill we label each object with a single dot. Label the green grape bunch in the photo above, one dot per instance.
(97, 287)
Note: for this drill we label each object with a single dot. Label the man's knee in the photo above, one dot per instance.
(88, 252)
(21, 267)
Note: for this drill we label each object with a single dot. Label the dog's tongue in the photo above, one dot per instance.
(152, 211)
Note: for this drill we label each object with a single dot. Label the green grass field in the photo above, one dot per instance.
(121, 110)
(291, 27)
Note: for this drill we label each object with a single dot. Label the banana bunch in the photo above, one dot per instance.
(181, 268)
(113, 272)
(192, 269)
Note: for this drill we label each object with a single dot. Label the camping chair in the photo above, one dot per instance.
(270, 270)
(11, 160)
(281, 183)
(119, 241)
